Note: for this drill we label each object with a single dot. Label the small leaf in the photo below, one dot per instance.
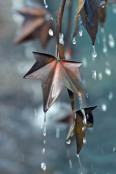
(80, 127)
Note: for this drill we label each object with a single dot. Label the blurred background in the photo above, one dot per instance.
(21, 111)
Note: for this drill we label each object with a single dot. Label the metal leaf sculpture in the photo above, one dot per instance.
(78, 127)
(37, 23)
(55, 75)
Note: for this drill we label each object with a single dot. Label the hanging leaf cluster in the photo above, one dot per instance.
(54, 71)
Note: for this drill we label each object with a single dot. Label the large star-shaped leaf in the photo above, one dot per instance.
(78, 127)
(37, 23)
(55, 75)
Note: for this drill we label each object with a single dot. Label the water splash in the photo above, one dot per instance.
(43, 166)
(45, 3)
(51, 33)
(94, 53)
(111, 41)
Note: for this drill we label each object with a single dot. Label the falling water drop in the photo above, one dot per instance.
(80, 163)
(46, 5)
(94, 74)
(43, 151)
(110, 96)
(114, 149)
(84, 140)
(83, 128)
(111, 41)
(44, 127)
(104, 41)
(94, 53)
(74, 41)
(81, 33)
(61, 38)
(57, 133)
(43, 166)
(68, 141)
(104, 107)
(114, 8)
(108, 71)
(51, 33)
(100, 76)
(70, 163)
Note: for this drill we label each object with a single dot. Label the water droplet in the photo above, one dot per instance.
(84, 60)
(43, 166)
(104, 107)
(44, 141)
(43, 151)
(57, 132)
(84, 117)
(111, 41)
(68, 141)
(114, 8)
(100, 76)
(110, 96)
(70, 164)
(114, 149)
(46, 5)
(94, 53)
(74, 41)
(83, 128)
(51, 32)
(81, 33)
(108, 71)
(84, 140)
(61, 38)
(94, 74)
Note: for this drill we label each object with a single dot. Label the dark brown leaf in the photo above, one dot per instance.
(55, 75)
(80, 127)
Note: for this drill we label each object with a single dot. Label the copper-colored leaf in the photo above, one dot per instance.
(89, 16)
(80, 126)
(55, 75)
(36, 24)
